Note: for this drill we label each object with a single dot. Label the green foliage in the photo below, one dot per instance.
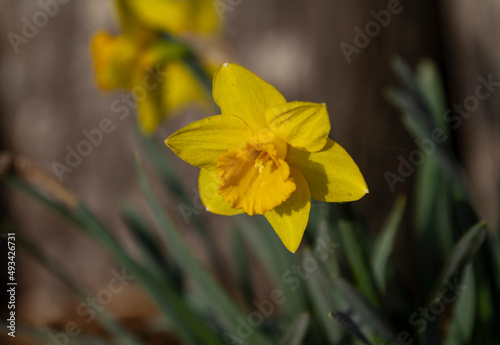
(385, 242)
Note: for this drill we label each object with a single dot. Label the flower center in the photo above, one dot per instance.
(256, 178)
(261, 160)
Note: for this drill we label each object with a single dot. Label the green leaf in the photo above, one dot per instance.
(349, 325)
(142, 236)
(357, 261)
(384, 244)
(404, 73)
(443, 215)
(462, 254)
(485, 308)
(154, 254)
(297, 331)
(411, 113)
(243, 266)
(226, 310)
(431, 86)
(324, 299)
(363, 309)
(433, 209)
(427, 182)
(53, 205)
(318, 214)
(331, 263)
(464, 313)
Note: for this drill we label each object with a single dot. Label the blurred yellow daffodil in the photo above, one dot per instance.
(151, 69)
(147, 61)
(267, 156)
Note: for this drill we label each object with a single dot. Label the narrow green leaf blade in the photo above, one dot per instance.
(358, 262)
(324, 299)
(385, 242)
(297, 331)
(349, 325)
(156, 258)
(243, 266)
(431, 86)
(363, 309)
(464, 313)
(462, 254)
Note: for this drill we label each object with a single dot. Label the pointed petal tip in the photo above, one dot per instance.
(168, 142)
(293, 247)
(289, 220)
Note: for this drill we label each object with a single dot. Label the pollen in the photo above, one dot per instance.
(261, 161)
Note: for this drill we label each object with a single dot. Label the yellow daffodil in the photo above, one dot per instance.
(266, 156)
(147, 61)
(152, 69)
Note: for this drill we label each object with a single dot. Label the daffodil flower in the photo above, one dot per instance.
(152, 69)
(266, 156)
(143, 61)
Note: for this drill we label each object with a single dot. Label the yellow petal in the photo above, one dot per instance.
(202, 142)
(331, 173)
(176, 16)
(114, 60)
(208, 185)
(289, 220)
(302, 125)
(253, 180)
(206, 16)
(241, 93)
(180, 86)
(129, 23)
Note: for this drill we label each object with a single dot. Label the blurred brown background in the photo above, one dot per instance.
(48, 96)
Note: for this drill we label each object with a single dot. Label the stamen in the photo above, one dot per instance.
(261, 160)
